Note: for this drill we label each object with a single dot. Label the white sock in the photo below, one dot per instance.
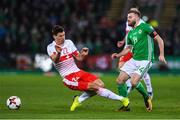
(86, 95)
(129, 85)
(108, 94)
(147, 81)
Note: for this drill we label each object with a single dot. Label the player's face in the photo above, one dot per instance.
(59, 38)
(131, 18)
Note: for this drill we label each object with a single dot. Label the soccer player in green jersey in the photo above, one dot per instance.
(141, 41)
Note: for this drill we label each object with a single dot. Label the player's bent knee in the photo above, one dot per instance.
(119, 80)
(133, 83)
(102, 85)
(99, 83)
(92, 86)
(95, 85)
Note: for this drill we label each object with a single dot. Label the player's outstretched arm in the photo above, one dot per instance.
(122, 53)
(83, 53)
(161, 48)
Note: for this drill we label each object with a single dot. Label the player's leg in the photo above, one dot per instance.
(126, 70)
(85, 95)
(147, 81)
(122, 88)
(90, 82)
(98, 86)
(80, 84)
(139, 87)
(79, 99)
(135, 81)
(128, 83)
(121, 63)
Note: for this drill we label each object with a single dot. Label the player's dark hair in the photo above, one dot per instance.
(56, 29)
(135, 12)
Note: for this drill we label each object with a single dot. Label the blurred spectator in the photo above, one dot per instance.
(177, 42)
(89, 44)
(25, 26)
(80, 43)
(98, 45)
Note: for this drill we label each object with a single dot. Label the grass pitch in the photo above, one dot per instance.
(47, 98)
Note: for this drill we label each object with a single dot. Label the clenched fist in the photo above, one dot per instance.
(84, 51)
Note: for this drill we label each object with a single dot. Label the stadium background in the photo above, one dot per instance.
(25, 32)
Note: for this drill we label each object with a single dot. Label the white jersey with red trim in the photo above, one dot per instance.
(66, 64)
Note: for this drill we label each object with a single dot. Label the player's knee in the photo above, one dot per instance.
(119, 80)
(92, 86)
(100, 83)
(133, 83)
(95, 85)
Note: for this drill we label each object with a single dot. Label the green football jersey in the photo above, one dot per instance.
(142, 43)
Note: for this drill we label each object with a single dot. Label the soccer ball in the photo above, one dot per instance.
(13, 102)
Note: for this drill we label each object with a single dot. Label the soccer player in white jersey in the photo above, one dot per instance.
(125, 58)
(62, 52)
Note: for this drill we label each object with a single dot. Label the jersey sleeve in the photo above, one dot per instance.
(51, 50)
(75, 52)
(148, 28)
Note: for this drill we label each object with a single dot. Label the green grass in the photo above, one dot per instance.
(46, 97)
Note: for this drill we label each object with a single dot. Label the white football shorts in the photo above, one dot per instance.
(136, 66)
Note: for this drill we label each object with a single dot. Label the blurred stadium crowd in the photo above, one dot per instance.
(25, 26)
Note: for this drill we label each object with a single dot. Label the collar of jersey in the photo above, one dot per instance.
(140, 21)
(54, 43)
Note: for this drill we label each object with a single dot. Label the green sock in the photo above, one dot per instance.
(122, 89)
(140, 88)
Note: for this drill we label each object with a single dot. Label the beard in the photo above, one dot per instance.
(132, 23)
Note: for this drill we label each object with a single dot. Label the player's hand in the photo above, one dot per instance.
(162, 59)
(114, 55)
(58, 48)
(120, 43)
(84, 51)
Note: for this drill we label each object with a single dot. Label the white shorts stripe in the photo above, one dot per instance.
(67, 82)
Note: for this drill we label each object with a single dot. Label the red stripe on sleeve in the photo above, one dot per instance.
(75, 53)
